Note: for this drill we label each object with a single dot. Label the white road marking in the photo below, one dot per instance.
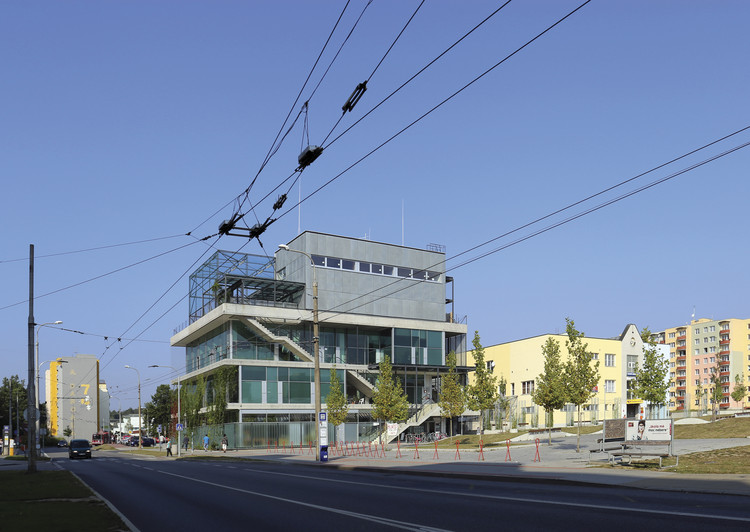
(513, 499)
(375, 519)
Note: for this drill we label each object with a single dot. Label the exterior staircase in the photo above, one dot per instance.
(293, 346)
(423, 414)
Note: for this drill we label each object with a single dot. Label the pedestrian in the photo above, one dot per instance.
(205, 443)
(186, 442)
(169, 447)
(224, 443)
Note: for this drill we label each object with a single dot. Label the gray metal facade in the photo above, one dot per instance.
(354, 291)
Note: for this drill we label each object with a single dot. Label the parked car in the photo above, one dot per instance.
(79, 449)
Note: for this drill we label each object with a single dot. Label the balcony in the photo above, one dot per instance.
(724, 341)
(683, 337)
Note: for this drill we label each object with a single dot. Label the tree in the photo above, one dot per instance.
(483, 394)
(650, 380)
(714, 393)
(581, 376)
(160, 406)
(739, 391)
(452, 396)
(338, 408)
(389, 399)
(549, 392)
(12, 391)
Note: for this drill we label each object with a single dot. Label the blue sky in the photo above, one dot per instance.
(134, 121)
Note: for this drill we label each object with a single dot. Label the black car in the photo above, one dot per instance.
(62, 443)
(79, 449)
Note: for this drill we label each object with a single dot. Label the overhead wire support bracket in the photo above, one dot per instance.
(355, 97)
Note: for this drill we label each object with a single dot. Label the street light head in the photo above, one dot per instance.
(58, 322)
(284, 246)
(155, 366)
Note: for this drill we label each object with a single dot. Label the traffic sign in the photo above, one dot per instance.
(322, 416)
(179, 427)
(158, 429)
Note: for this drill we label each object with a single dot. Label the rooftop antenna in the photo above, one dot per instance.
(402, 221)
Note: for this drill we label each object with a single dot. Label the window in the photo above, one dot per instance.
(713, 338)
(671, 335)
(713, 328)
(697, 372)
(697, 330)
(697, 351)
(513, 388)
(609, 360)
(594, 356)
(609, 386)
(697, 341)
(705, 370)
(712, 349)
(697, 361)
(705, 329)
(713, 359)
(697, 382)
(527, 387)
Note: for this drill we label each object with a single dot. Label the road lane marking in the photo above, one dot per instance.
(514, 499)
(366, 517)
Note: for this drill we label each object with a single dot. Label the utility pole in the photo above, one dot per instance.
(31, 410)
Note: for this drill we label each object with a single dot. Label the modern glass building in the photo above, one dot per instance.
(252, 319)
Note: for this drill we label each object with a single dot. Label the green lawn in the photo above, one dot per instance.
(734, 427)
(52, 500)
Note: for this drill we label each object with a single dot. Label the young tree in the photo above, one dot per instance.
(338, 409)
(714, 393)
(452, 397)
(483, 394)
(389, 399)
(580, 375)
(739, 391)
(550, 387)
(650, 380)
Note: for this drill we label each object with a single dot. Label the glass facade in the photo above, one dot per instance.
(207, 349)
(276, 385)
(418, 347)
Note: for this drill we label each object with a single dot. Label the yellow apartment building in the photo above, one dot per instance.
(520, 363)
(697, 349)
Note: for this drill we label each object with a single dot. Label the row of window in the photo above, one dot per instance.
(388, 270)
(527, 387)
(705, 340)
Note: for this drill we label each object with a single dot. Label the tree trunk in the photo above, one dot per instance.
(549, 427)
(578, 439)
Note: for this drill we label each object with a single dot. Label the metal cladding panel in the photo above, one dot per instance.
(365, 293)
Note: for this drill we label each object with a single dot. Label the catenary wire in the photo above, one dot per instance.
(443, 102)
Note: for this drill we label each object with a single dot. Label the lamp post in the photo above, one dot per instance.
(140, 422)
(179, 443)
(316, 348)
(38, 366)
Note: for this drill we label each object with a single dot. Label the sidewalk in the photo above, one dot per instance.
(559, 463)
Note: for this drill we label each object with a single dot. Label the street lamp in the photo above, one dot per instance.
(38, 366)
(316, 348)
(140, 423)
(179, 418)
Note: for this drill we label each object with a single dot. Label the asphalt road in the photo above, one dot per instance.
(214, 496)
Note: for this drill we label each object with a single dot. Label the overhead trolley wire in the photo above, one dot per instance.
(562, 222)
(299, 94)
(443, 102)
(404, 84)
(102, 275)
(95, 248)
